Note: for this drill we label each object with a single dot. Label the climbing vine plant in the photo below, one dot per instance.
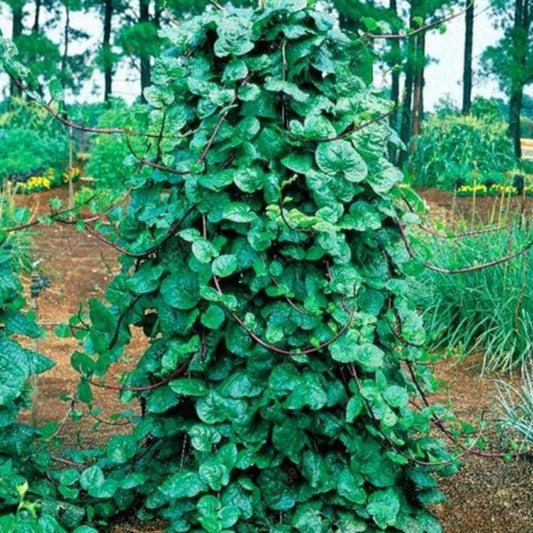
(263, 260)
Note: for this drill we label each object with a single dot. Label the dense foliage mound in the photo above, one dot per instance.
(263, 260)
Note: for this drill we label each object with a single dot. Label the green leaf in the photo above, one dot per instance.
(248, 179)
(353, 408)
(189, 387)
(180, 290)
(314, 469)
(92, 478)
(185, 484)
(203, 437)
(286, 87)
(340, 157)
(214, 408)
(84, 392)
(213, 317)
(203, 250)
(347, 350)
(300, 163)
(240, 385)
(234, 71)
(307, 519)
(289, 440)
(238, 212)
(215, 473)
(351, 487)
(225, 265)
(383, 506)
(16, 365)
(161, 400)
(382, 182)
(234, 36)
(396, 396)
(308, 392)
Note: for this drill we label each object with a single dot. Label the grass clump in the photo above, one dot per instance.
(487, 309)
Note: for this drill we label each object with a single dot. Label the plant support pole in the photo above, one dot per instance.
(34, 306)
(70, 164)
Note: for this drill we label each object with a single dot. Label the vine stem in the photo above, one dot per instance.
(281, 351)
(259, 340)
(439, 423)
(427, 27)
(464, 234)
(464, 270)
(178, 372)
(353, 372)
(145, 253)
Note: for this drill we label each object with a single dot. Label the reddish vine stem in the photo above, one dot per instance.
(355, 129)
(444, 429)
(53, 214)
(265, 344)
(211, 140)
(110, 422)
(464, 234)
(152, 249)
(281, 351)
(351, 130)
(464, 270)
(353, 372)
(422, 29)
(178, 372)
(153, 164)
(74, 125)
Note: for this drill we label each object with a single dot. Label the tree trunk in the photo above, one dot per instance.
(106, 49)
(515, 107)
(395, 74)
(467, 58)
(407, 100)
(418, 83)
(16, 31)
(66, 40)
(394, 62)
(37, 18)
(519, 49)
(144, 16)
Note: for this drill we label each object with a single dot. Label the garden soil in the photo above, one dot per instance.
(488, 495)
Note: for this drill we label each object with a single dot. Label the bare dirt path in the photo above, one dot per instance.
(487, 496)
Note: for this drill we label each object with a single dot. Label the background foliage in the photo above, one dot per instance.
(452, 147)
(31, 142)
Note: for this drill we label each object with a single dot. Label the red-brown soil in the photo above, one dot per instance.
(486, 496)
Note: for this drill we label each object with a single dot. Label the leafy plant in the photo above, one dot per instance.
(456, 147)
(111, 162)
(259, 265)
(31, 142)
(20, 459)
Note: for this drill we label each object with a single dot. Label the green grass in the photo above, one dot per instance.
(488, 310)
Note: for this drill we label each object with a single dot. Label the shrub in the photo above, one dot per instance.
(31, 142)
(24, 152)
(111, 163)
